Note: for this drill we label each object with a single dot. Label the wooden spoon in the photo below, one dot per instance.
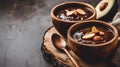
(60, 43)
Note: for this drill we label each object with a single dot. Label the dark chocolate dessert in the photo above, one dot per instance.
(93, 35)
(75, 13)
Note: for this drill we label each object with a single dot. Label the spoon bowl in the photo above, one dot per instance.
(59, 42)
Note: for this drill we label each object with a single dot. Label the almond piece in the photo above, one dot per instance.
(94, 29)
(80, 11)
(88, 35)
(96, 38)
(68, 13)
(102, 33)
(71, 12)
(75, 12)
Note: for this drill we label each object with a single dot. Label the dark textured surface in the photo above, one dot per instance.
(22, 26)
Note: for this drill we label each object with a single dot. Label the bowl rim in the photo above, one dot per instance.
(93, 21)
(73, 2)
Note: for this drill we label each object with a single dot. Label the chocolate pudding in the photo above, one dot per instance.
(93, 35)
(75, 13)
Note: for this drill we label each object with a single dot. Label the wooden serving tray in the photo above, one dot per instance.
(59, 59)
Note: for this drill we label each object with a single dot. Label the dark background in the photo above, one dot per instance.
(22, 26)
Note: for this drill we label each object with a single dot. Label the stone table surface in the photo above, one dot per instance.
(22, 26)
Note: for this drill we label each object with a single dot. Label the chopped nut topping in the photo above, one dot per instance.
(92, 34)
(96, 38)
(102, 33)
(94, 30)
(75, 12)
(80, 11)
(68, 13)
(88, 35)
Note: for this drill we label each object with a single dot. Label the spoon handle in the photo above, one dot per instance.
(73, 60)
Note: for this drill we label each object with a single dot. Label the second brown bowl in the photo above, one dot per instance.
(90, 48)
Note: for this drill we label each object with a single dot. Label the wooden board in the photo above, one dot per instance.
(59, 59)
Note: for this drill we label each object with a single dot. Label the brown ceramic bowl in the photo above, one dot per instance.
(62, 25)
(90, 51)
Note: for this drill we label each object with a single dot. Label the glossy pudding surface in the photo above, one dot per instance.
(75, 13)
(93, 35)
